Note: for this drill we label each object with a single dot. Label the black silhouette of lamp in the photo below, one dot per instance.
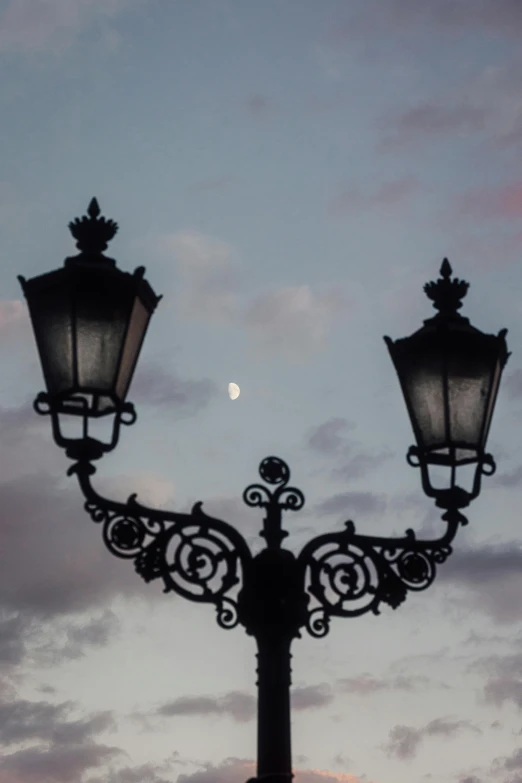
(90, 319)
(450, 373)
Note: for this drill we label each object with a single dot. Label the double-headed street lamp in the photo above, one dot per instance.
(90, 319)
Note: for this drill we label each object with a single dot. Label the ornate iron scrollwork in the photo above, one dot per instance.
(274, 470)
(350, 574)
(197, 556)
(207, 560)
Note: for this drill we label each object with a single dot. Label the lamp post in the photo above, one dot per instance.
(90, 319)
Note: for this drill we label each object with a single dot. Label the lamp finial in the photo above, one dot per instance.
(92, 232)
(446, 294)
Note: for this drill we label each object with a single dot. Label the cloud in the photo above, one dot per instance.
(390, 194)
(259, 106)
(240, 706)
(294, 320)
(504, 678)
(209, 275)
(48, 26)
(434, 120)
(311, 696)
(13, 318)
(511, 478)
(231, 770)
(498, 17)
(234, 770)
(365, 684)
(500, 203)
(156, 385)
(79, 637)
(51, 562)
(512, 384)
(405, 740)
(25, 720)
(492, 578)
(352, 504)
(64, 749)
(144, 773)
(331, 439)
(54, 764)
(503, 689)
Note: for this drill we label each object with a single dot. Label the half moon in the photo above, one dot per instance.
(233, 391)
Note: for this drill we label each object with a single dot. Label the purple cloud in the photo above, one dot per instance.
(405, 740)
(329, 438)
(491, 577)
(311, 696)
(156, 385)
(352, 504)
(240, 706)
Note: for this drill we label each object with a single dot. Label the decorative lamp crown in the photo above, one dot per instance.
(446, 294)
(92, 233)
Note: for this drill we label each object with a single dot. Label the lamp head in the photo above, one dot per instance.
(89, 320)
(449, 373)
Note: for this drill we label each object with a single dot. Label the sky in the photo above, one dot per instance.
(290, 173)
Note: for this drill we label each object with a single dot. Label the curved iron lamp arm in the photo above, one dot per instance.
(197, 556)
(351, 574)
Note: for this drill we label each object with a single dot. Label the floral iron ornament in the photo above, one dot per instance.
(204, 559)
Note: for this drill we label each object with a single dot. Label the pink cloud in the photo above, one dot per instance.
(501, 17)
(504, 202)
(430, 120)
(388, 195)
(42, 27)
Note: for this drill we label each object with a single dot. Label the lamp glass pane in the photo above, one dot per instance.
(423, 380)
(138, 323)
(495, 383)
(101, 321)
(469, 379)
(51, 316)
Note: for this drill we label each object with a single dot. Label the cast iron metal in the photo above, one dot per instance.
(274, 594)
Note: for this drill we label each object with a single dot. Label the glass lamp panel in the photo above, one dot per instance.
(50, 310)
(468, 387)
(139, 320)
(495, 383)
(423, 383)
(102, 312)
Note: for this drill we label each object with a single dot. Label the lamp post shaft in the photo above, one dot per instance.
(274, 756)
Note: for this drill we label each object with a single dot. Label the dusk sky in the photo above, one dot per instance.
(290, 173)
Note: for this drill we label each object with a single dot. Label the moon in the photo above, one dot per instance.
(233, 391)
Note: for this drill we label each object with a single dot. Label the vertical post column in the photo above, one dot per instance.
(274, 752)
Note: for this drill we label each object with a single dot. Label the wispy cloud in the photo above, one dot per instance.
(386, 196)
(155, 384)
(500, 203)
(492, 578)
(404, 741)
(430, 120)
(293, 320)
(352, 504)
(331, 439)
(27, 27)
(239, 706)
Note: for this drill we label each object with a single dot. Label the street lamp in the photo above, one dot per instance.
(90, 319)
